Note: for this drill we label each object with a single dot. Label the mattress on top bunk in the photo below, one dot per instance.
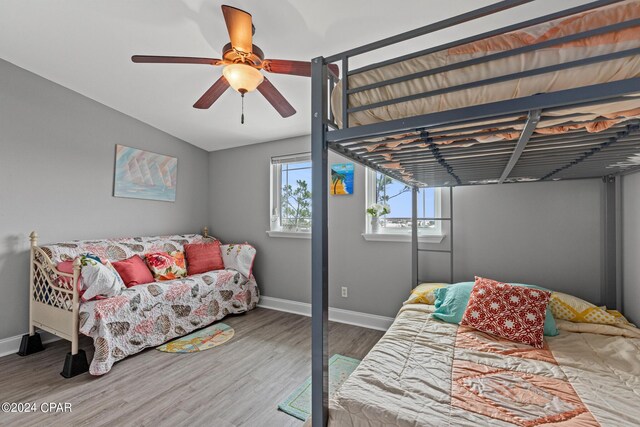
(426, 372)
(602, 72)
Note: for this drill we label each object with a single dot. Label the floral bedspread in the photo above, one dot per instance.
(149, 315)
(120, 249)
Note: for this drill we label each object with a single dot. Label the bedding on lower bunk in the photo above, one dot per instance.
(594, 73)
(427, 372)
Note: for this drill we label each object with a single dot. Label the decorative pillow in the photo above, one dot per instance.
(166, 266)
(67, 267)
(424, 293)
(65, 282)
(133, 271)
(98, 280)
(574, 309)
(512, 312)
(451, 302)
(110, 266)
(203, 257)
(239, 257)
(619, 317)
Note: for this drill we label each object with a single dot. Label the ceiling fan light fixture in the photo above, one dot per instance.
(242, 78)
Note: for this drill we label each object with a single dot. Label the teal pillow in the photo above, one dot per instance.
(451, 302)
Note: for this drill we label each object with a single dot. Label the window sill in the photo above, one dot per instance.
(290, 234)
(390, 237)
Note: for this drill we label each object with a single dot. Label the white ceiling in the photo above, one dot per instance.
(86, 45)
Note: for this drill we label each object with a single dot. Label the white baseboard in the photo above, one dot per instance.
(371, 321)
(11, 345)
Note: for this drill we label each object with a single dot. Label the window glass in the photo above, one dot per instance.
(397, 196)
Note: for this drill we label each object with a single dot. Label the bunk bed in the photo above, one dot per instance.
(550, 98)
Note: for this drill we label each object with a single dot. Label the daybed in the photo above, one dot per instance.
(427, 372)
(141, 316)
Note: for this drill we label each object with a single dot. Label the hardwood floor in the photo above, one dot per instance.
(239, 383)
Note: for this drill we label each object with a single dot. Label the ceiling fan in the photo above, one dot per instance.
(242, 62)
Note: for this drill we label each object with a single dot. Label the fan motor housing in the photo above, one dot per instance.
(232, 56)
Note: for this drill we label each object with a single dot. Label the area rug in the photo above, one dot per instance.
(298, 404)
(203, 339)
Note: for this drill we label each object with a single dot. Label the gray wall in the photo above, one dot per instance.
(56, 177)
(631, 247)
(543, 233)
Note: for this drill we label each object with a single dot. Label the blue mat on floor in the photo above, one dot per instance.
(298, 404)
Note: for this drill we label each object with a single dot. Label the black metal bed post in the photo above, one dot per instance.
(618, 238)
(451, 233)
(319, 247)
(609, 284)
(414, 237)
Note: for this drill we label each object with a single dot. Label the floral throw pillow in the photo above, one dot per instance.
(512, 312)
(98, 280)
(239, 257)
(166, 266)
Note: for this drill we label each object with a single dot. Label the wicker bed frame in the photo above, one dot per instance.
(53, 308)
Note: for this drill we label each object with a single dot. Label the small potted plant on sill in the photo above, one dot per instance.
(376, 210)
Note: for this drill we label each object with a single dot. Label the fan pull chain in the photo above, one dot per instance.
(242, 115)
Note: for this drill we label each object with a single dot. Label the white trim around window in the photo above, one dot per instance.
(275, 189)
(290, 234)
(398, 237)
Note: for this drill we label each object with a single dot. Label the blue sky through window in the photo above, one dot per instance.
(400, 201)
(292, 214)
(292, 172)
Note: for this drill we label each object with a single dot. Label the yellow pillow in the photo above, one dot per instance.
(619, 317)
(423, 293)
(574, 309)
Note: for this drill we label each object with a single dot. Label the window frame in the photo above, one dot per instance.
(275, 190)
(431, 235)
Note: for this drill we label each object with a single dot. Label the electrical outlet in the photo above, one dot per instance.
(345, 292)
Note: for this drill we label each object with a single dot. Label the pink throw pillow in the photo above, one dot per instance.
(133, 271)
(65, 282)
(203, 257)
(512, 312)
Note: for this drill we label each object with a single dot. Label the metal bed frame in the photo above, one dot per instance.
(572, 155)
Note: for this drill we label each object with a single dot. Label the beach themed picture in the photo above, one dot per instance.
(145, 175)
(341, 179)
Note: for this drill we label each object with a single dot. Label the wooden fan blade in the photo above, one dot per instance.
(283, 66)
(296, 68)
(174, 60)
(276, 99)
(211, 95)
(333, 69)
(239, 27)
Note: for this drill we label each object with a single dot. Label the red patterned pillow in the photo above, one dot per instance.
(512, 312)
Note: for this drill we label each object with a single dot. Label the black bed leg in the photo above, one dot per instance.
(75, 364)
(30, 344)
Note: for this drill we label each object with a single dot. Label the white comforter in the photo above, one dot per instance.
(424, 372)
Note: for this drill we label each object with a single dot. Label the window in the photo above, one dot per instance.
(291, 193)
(384, 190)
